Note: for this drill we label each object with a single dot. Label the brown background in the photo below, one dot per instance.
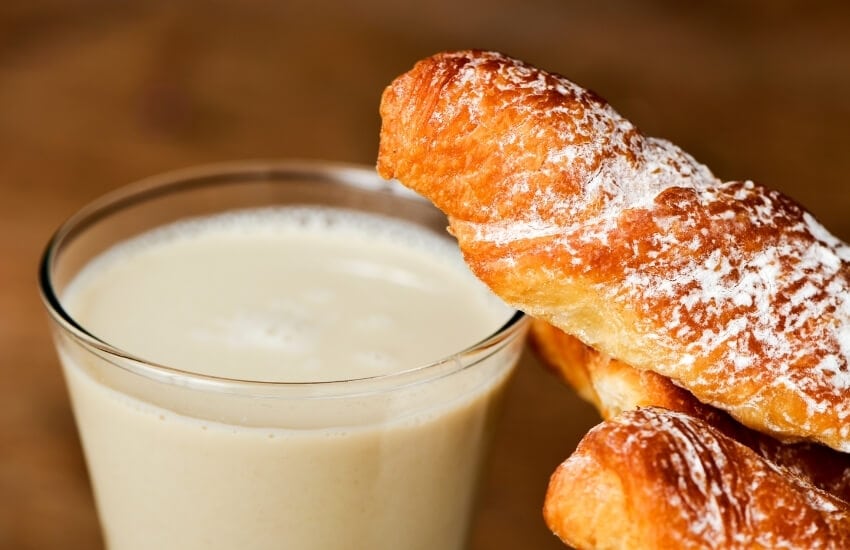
(95, 94)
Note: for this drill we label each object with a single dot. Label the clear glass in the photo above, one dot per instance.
(182, 460)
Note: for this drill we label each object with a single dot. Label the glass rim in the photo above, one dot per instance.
(162, 184)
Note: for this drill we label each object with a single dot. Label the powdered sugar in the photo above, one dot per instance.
(709, 490)
(742, 296)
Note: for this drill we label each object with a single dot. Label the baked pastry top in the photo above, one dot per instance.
(653, 478)
(614, 387)
(731, 290)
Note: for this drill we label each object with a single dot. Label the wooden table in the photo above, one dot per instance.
(95, 94)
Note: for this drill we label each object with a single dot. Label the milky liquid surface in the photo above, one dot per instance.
(291, 295)
(296, 294)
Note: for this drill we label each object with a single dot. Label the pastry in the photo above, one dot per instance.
(614, 387)
(569, 213)
(652, 478)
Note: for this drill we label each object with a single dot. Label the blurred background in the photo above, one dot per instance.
(95, 94)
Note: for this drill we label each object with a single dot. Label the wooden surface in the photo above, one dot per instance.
(95, 94)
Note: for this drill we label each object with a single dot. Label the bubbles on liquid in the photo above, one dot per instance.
(273, 329)
(277, 333)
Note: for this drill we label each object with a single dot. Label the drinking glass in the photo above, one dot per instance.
(184, 460)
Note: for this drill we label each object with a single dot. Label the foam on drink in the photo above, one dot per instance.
(296, 294)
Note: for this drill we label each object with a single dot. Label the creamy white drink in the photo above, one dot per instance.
(290, 301)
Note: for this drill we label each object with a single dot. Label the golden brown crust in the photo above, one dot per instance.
(569, 213)
(614, 387)
(652, 478)
(608, 384)
(569, 359)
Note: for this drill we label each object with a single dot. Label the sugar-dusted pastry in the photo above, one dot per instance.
(614, 387)
(652, 478)
(569, 213)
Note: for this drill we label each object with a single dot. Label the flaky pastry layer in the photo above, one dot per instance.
(572, 215)
(653, 478)
(614, 387)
